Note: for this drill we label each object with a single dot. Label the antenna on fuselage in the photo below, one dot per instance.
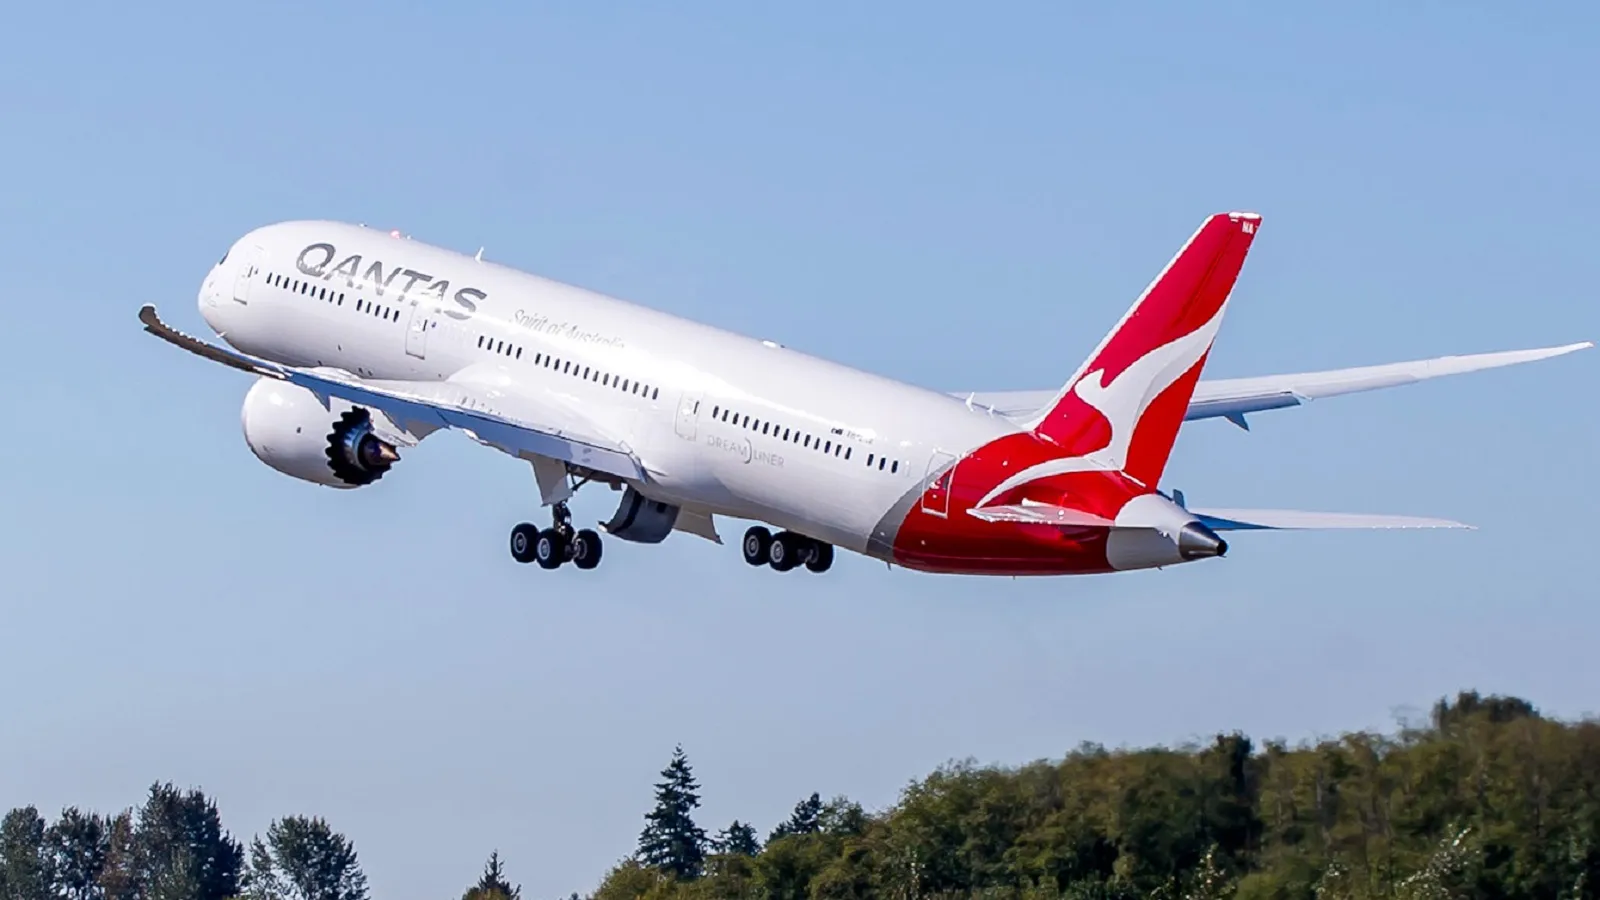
(479, 255)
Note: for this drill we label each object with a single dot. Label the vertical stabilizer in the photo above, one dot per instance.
(1124, 405)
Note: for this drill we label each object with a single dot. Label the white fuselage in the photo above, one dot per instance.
(724, 423)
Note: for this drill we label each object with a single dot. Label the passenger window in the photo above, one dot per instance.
(655, 394)
(847, 452)
(881, 461)
(519, 353)
(869, 459)
(895, 467)
(828, 447)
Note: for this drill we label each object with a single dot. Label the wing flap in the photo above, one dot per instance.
(424, 406)
(1287, 519)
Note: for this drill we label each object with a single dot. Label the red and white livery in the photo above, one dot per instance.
(365, 342)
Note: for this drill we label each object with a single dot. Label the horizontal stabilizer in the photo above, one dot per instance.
(1280, 519)
(1040, 514)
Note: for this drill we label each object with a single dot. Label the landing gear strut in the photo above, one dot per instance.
(560, 543)
(786, 550)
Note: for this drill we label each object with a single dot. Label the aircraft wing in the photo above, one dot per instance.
(1231, 398)
(506, 422)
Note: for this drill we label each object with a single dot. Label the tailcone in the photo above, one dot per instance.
(1196, 541)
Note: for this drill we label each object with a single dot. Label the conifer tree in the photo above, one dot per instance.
(671, 841)
(24, 865)
(738, 839)
(492, 885)
(805, 819)
(304, 859)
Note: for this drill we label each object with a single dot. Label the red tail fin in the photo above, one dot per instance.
(1124, 406)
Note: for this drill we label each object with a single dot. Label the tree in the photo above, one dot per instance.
(119, 877)
(24, 865)
(805, 819)
(492, 885)
(182, 851)
(738, 839)
(78, 845)
(671, 841)
(304, 859)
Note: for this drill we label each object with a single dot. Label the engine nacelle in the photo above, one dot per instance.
(642, 520)
(337, 446)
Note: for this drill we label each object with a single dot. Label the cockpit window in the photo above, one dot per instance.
(224, 257)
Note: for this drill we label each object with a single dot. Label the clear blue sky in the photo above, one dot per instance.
(962, 199)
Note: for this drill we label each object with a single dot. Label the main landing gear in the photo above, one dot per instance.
(786, 550)
(558, 544)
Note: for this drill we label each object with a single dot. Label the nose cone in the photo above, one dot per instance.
(210, 302)
(1196, 541)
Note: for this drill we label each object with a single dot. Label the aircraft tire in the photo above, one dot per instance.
(586, 549)
(821, 557)
(785, 551)
(756, 545)
(523, 539)
(551, 549)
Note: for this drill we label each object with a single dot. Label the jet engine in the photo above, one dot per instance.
(337, 446)
(642, 520)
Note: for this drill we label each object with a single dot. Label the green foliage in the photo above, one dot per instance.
(738, 839)
(1488, 799)
(24, 864)
(492, 885)
(78, 845)
(805, 819)
(181, 851)
(671, 841)
(304, 859)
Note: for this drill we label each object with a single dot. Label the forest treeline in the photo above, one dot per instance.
(1486, 799)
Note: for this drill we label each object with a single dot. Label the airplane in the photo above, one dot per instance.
(363, 342)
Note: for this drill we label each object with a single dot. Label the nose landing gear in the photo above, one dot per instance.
(558, 544)
(786, 550)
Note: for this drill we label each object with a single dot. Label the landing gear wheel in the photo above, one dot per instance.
(523, 538)
(551, 549)
(821, 558)
(785, 551)
(757, 544)
(586, 549)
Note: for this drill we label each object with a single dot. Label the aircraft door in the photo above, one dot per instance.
(936, 496)
(423, 320)
(688, 414)
(245, 272)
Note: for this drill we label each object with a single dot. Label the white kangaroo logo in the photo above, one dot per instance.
(1123, 402)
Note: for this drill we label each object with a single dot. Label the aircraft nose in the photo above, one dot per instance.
(210, 302)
